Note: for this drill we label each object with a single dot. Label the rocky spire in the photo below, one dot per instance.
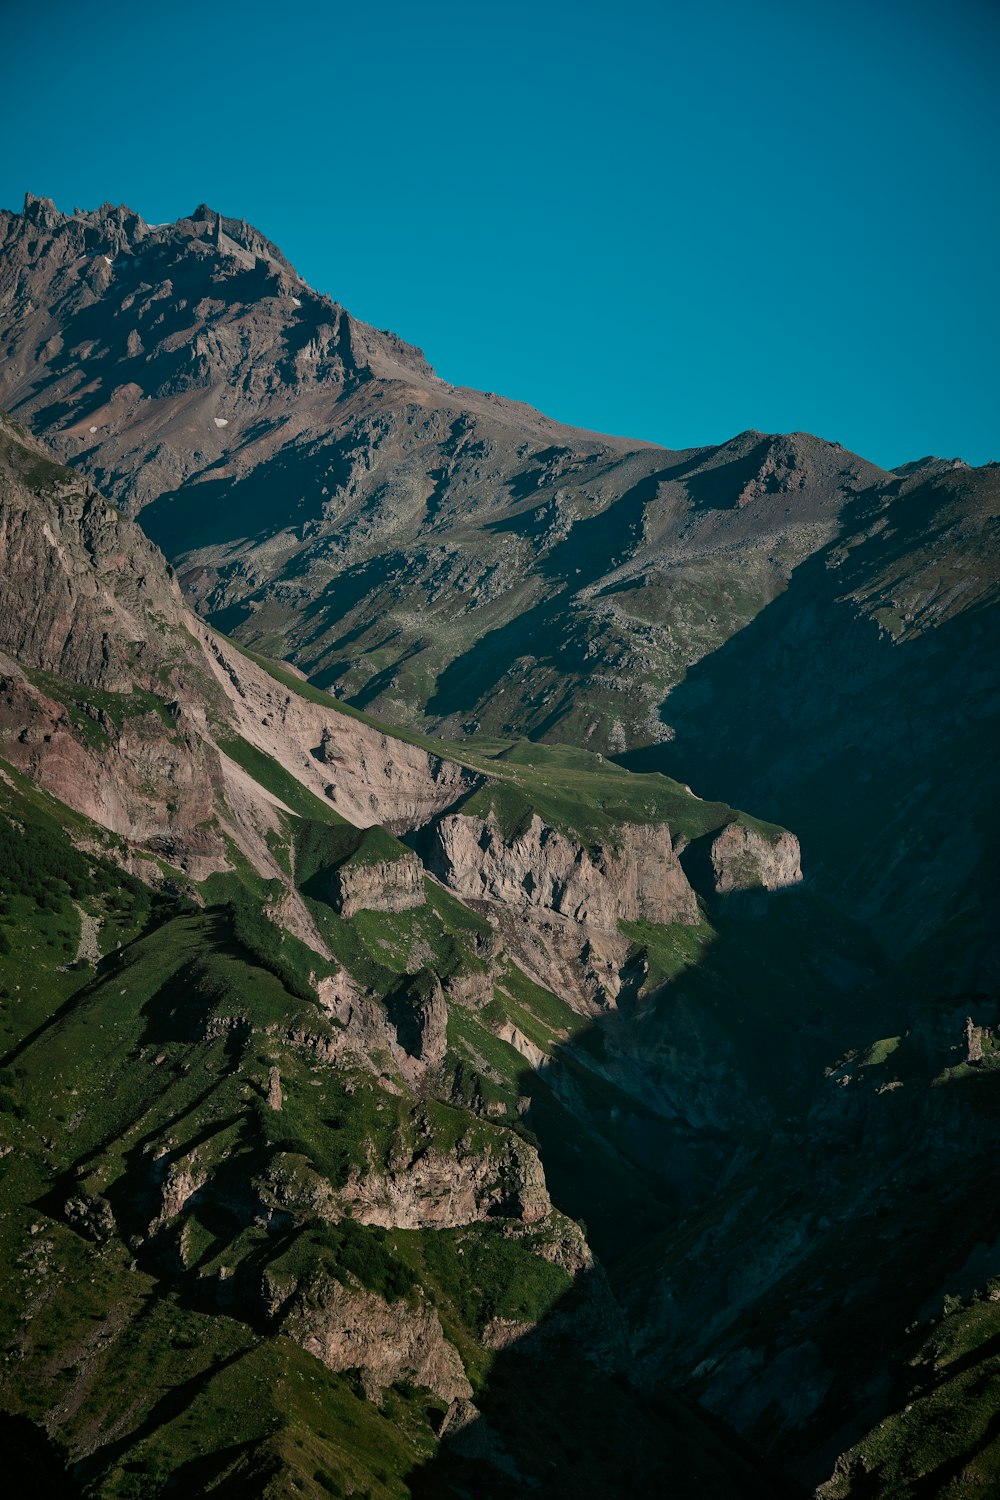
(40, 211)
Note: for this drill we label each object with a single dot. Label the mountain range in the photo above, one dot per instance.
(410, 1084)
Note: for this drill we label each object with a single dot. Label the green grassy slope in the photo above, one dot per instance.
(580, 792)
(142, 1339)
(942, 1436)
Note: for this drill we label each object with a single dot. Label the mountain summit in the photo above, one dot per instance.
(435, 553)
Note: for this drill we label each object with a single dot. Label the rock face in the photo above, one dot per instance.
(410, 1025)
(274, 1095)
(160, 790)
(119, 702)
(419, 1013)
(368, 777)
(640, 878)
(382, 885)
(92, 1217)
(494, 1174)
(744, 859)
(973, 1039)
(349, 1328)
(85, 580)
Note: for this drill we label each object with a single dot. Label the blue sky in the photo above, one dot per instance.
(672, 220)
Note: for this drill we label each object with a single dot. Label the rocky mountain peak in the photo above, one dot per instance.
(234, 237)
(929, 465)
(40, 211)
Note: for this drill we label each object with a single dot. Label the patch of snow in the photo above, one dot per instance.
(221, 421)
(93, 429)
(108, 259)
(296, 302)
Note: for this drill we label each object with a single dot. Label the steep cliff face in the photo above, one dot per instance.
(118, 701)
(640, 878)
(158, 784)
(382, 885)
(744, 860)
(368, 776)
(86, 583)
(349, 1328)
(490, 1174)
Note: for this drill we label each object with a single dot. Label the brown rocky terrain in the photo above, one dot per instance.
(640, 879)
(352, 1330)
(434, 553)
(141, 751)
(744, 860)
(140, 734)
(386, 885)
(769, 1099)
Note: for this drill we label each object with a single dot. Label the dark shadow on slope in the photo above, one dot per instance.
(810, 678)
(382, 681)
(954, 1471)
(601, 543)
(281, 494)
(79, 997)
(560, 1418)
(354, 586)
(238, 1472)
(166, 1409)
(720, 485)
(99, 323)
(743, 1035)
(44, 1026)
(873, 750)
(593, 548)
(481, 668)
(33, 1463)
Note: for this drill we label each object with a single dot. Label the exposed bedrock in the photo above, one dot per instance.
(639, 877)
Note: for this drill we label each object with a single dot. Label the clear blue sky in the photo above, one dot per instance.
(671, 220)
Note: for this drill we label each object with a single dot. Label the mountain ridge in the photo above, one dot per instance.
(394, 1015)
(310, 954)
(291, 467)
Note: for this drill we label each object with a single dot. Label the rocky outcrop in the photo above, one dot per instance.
(349, 1328)
(638, 877)
(368, 776)
(491, 1173)
(418, 1011)
(327, 751)
(744, 860)
(381, 885)
(274, 1093)
(91, 1217)
(409, 1027)
(973, 1038)
(85, 579)
(160, 790)
(178, 1181)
